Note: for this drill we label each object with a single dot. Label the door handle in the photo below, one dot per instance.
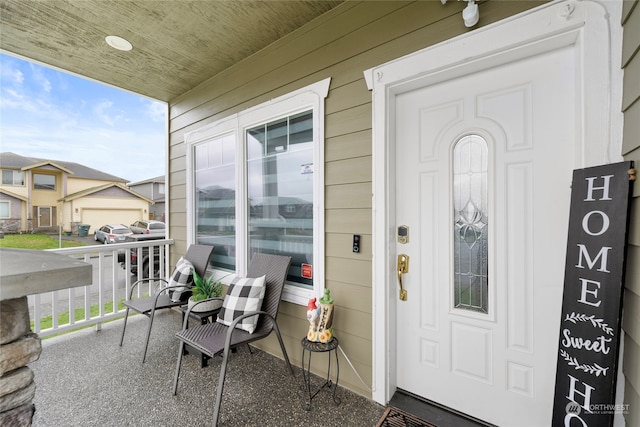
(403, 267)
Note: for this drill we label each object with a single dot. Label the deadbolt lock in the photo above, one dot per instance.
(403, 234)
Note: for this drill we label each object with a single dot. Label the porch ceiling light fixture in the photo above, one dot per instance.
(118, 43)
(470, 14)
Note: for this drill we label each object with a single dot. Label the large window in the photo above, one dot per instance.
(44, 182)
(280, 189)
(215, 198)
(12, 177)
(256, 185)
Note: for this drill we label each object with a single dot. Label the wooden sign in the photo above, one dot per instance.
(592, 302)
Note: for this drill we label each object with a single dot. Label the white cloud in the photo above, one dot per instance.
(105, 111)
(156, 111)
(41, 80)
(13, 99)
(9, 74)
(18, 77)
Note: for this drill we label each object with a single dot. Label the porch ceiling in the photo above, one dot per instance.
(176, 44)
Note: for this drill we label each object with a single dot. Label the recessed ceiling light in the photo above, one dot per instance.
(118, 43)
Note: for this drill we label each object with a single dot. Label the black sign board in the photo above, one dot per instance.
(592, 301)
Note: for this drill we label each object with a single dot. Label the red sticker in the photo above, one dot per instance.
(307, 271)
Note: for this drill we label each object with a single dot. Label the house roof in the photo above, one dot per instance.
(176, 44)
(93, 190)
(44, 163)
(159, 179)
(10, 160)
(15, 196)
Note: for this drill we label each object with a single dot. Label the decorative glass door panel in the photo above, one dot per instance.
(470, 224)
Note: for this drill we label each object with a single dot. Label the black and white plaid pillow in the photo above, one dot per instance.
(182, 275)
(244, 295)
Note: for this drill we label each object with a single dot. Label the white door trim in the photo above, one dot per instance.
(587, 24)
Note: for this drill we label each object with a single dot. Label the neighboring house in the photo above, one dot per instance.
(374, 111)
(152, 189)
(39, 194)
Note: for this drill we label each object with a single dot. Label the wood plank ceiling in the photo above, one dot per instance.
(177, 44)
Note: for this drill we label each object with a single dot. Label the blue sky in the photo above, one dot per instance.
(49, 114)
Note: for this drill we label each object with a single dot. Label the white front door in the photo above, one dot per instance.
(483, 173)
(474, 141)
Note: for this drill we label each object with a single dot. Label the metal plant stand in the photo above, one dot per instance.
(318, 347)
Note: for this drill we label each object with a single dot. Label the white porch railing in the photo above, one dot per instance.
(98, 302)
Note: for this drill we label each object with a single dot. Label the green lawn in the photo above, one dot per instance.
(35, 241)
(63, 319)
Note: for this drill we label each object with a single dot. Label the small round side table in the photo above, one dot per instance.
(318, 347)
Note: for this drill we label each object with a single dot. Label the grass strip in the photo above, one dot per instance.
(46, 322)
(36, 241)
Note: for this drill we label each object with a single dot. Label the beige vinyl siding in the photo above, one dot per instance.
(18, 190)
(75, 185)
(341, 45)
(631, 151)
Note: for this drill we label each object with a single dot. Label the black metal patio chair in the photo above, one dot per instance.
(215, 338)
(198, 256)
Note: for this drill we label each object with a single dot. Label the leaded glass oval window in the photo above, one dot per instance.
(470, 224)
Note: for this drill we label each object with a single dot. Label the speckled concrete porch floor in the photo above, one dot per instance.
(86, 379)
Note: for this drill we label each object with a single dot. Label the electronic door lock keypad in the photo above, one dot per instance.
(403, 234)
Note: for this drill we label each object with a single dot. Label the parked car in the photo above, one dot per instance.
(144, 253)
(112, 233)
(148, 227)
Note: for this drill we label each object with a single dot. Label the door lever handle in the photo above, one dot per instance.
(403, 267)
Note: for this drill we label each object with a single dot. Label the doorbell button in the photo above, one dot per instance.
(356, 243)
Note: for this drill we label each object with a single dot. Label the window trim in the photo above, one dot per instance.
(311, 97)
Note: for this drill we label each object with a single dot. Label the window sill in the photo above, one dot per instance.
(297, 295)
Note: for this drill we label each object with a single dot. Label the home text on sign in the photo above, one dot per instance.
(592, 301)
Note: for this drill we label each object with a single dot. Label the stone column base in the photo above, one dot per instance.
(18, 417)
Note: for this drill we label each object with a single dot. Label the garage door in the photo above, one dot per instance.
(96, 218)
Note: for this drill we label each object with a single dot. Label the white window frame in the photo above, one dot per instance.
(308, 98)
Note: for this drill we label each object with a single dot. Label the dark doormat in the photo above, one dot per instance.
(394, 417)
